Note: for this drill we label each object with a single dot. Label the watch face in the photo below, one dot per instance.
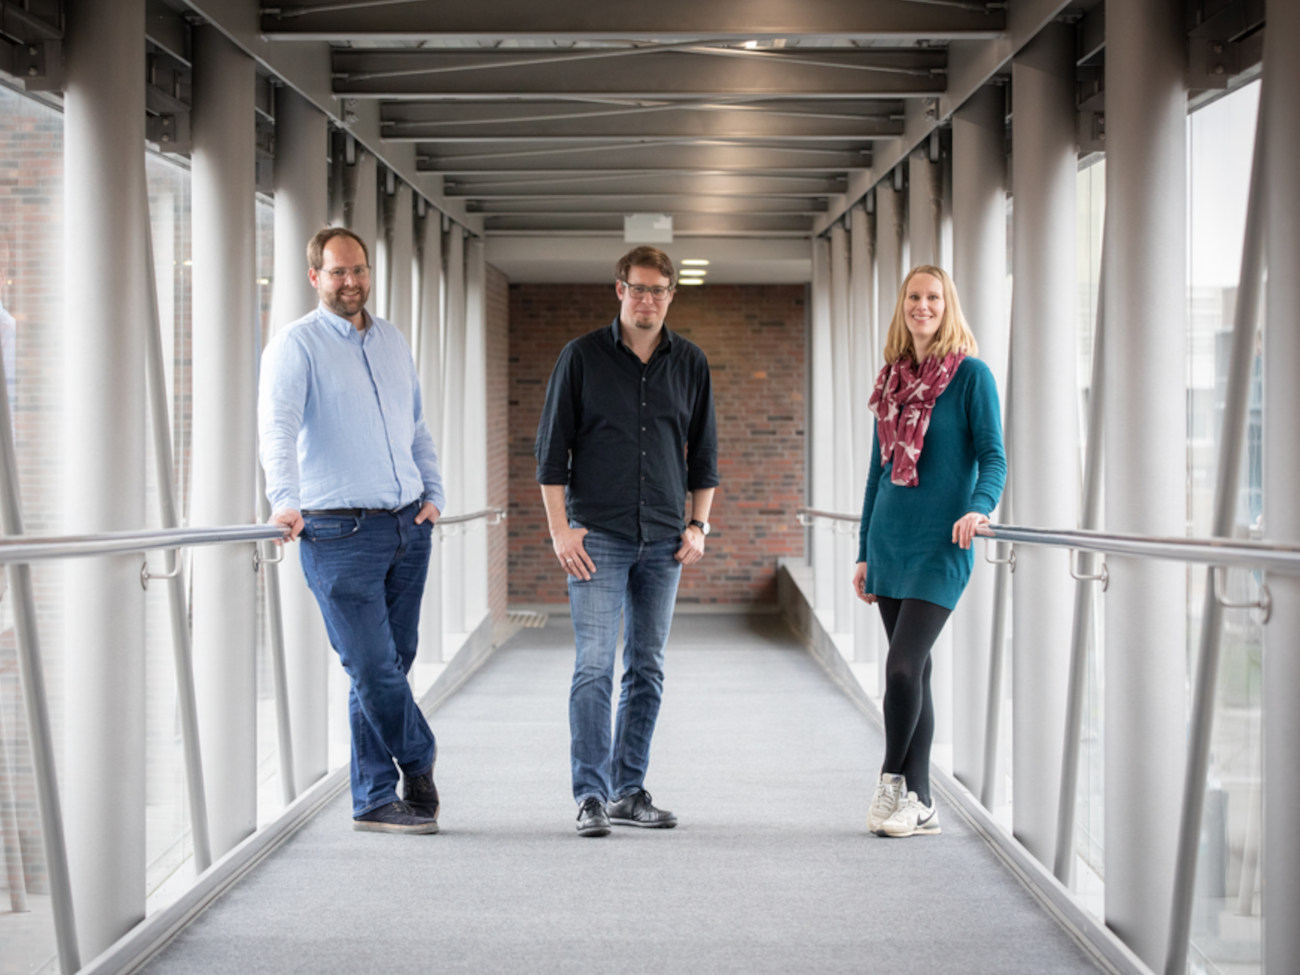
(703, 526)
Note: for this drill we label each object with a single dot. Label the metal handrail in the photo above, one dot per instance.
(31, 548)
(1230, 552)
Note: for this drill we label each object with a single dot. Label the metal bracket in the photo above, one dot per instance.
(1265, 601)
(1010, 560)
(260, 560)
(146, 575)
(1103, 576)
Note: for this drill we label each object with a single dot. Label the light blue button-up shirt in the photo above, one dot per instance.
(341, 420)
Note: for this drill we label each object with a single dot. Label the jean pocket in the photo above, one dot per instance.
(326, 528)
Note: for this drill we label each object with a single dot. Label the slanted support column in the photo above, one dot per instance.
(844, 545)
(1043, 418)
(225, 420)
(821, 445)
(301, 203)
(979, 268)
(452, 446)
(104, 213)
(864, 366)
(1281, 484)
(474, 457)
(1145, 434)
(428, 360)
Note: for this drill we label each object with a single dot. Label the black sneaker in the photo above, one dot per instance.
(636, 809)
(396, 817)
(419, 792)
(592, 819)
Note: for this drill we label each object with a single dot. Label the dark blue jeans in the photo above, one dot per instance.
(368, 575)
(637, 583)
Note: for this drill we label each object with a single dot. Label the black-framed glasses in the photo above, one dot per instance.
(658, 292)
(360, 272)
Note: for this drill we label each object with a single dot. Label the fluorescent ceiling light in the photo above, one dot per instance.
(685, 281)
(695, 262)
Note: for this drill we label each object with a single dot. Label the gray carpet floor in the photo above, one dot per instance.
(769, 768)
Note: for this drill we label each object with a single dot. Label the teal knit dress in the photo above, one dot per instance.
(906, 533)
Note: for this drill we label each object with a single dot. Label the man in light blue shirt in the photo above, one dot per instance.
(351, 469)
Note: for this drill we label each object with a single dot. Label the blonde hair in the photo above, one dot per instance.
(953, 335)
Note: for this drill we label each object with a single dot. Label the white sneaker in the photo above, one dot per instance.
(911, 818)
(889, 790)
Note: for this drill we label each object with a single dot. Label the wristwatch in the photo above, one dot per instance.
(703, 526)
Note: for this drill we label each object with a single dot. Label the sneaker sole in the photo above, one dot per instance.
(919, 831)
(362, 826)
(593, 831)
(633, 822)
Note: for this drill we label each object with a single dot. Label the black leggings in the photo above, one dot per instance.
(912, 626)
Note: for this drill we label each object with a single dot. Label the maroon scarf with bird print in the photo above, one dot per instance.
(902, 401)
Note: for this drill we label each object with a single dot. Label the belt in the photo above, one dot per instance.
(357, 512)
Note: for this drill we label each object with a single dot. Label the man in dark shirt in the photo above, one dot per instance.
(626, 431)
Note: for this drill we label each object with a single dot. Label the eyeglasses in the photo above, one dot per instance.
(658, 292)
(360, 272)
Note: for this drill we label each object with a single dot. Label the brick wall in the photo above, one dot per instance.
(754, 337)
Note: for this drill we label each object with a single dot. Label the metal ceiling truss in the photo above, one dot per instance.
(739, 117)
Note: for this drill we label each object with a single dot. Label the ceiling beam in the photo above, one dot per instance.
(448, 122)
(499, 20)
(837, 73)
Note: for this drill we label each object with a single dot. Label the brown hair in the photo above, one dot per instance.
(316, 246)
(953, 335)
(646, 256)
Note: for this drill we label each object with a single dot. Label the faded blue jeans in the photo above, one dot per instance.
(367, 574)
(637, 583)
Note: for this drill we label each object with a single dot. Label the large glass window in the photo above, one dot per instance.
(1226, 920)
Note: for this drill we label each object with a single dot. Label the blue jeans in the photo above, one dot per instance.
(638, 582)
(367, 574)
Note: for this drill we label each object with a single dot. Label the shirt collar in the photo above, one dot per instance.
(665, 336)
(342, 325)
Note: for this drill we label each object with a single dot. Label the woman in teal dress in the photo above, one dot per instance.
(937, 470)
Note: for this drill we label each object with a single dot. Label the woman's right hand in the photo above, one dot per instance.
(860, 583)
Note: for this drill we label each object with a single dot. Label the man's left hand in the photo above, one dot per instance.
(427, 513)
(692, 549)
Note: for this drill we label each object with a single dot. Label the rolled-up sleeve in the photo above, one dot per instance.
(702, 439)
(559, 420)
(425, 452)
(281, 398)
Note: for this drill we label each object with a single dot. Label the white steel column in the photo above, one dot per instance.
(821, 442)
(361, 208)
(1044, 421)
(224, 423)
(889, 261)
(301, 202)
(844, 545)
(925, 206)
(399, 234)
(453, 437)
(104, 451)
(474, 457)
(979, 206)
(428, 360)
(889, 278)
(862, 342)
(1281, 485)
(1145, 434)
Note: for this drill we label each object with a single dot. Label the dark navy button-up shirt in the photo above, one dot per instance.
(627, 438)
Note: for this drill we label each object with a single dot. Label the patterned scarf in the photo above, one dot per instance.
(902, 401)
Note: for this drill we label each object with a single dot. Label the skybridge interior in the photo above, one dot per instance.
(1110, 183)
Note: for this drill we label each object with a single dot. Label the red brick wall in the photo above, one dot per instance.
(754, 337)
(498, 431)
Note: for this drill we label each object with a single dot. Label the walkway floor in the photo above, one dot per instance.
(768, 766)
